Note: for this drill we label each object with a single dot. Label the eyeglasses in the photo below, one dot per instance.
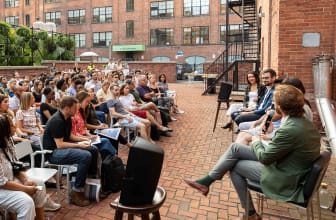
(266, 77)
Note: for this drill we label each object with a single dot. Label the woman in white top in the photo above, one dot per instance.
(253, 92)
(129, 103)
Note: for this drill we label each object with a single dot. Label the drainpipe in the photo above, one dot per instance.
(322, 71)
(269, 34)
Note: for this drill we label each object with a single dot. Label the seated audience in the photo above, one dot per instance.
(79, 126)
(282, 166)
(70, 149)
(19, 194)
(125, 117)
(14, 101)
(28, 123)
(47, 108)
(171, 94)
(129, 103)
(37, 90)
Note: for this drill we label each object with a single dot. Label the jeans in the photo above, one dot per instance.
(244, 118)
(105, 148)
(81, 157)
(101, 116)
(241, 161)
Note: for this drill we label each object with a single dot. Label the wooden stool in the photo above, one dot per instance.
(143, 210)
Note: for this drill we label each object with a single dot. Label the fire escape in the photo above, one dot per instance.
(242, 48)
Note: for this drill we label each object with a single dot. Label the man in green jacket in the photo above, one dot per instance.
(281, 166)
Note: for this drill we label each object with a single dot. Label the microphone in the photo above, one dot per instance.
(268, 120)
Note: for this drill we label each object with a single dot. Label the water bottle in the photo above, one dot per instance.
(324, 196)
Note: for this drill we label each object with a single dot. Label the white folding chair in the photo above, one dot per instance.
(23, 149)
(61, 169)
(126, 128)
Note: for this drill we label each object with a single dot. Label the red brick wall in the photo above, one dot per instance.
(296, 18)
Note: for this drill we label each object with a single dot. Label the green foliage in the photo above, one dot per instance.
(21, 43)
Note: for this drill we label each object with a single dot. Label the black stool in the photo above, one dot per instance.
(143, 210)
(223, 96)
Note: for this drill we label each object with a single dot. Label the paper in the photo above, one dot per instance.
(96, 141)
(109, 132)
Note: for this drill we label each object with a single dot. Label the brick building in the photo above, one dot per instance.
(293, 33)
(188, 31)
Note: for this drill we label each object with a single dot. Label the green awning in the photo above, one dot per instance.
(137, 47)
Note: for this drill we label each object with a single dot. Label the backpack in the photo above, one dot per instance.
(112, 173)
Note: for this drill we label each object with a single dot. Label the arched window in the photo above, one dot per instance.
(196, 62)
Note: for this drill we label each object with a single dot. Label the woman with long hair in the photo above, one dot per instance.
(47, 108)
(79, 126)
(253, 93)
(129, 103)
(17, 192)
(37, 90)
(28, 123)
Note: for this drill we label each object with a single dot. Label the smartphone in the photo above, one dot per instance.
(39, 187)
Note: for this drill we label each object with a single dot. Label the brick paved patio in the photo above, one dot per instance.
(191, 152)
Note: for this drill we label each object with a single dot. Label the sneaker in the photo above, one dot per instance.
(51, 205)
(179, 111)
(173, 119)
(78, 199)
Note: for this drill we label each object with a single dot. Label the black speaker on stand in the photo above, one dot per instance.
(143, 172)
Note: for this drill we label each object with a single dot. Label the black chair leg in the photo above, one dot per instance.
(216, 118)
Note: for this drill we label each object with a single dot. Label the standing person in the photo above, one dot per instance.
(68, 148)
(17, 192)
(76, 68)
(282, 166)
(10, 88)
(254, 92)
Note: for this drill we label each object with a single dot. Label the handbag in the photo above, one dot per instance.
(17, 166)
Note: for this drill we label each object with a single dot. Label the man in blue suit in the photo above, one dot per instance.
(268, 77)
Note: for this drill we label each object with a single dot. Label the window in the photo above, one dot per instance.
(102, 15)
(195, 63)
(27, 20)
(53, 17)
(195, 7)
(76, 17)
(27, 2)
(196, 35)
(223, 8)
(162, 9)
(129, 5)
(12, 20)
(161, 59)
(80, 40)
(235, 34)
(52, 1)
(129, 29)
(102, 39)
(162, 36)
(11, 3)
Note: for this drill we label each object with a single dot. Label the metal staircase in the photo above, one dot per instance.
(241, 47)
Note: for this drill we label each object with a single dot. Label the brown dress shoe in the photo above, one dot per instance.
(251, 217)
(201, 188)
(78, 199)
